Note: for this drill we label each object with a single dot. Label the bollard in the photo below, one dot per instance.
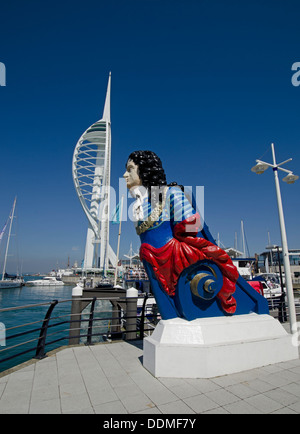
(75, 322)
(131, 313)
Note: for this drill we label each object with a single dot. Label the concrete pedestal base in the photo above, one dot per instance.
(210, 347)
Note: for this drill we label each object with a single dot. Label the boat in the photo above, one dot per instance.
(149, 305)
(46, 281)
(245, 266)
(9, 281)
(269, 284)
(266, 284)
(136, 277)
(104, 283)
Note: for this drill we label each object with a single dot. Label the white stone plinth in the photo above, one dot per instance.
(210, 347)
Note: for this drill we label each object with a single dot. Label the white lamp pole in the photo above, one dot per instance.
(290, 178)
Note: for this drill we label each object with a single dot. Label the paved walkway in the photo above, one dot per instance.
(110, 379)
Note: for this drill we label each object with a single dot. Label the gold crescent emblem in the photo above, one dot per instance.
(206, 286)
(195, 281)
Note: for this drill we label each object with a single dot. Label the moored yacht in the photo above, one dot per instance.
(14, 282)
(46, 281)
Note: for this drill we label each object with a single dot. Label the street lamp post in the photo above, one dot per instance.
(259, 168)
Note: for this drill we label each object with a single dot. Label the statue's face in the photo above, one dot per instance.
(131, 175)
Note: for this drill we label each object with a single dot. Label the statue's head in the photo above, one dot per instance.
(144, 168)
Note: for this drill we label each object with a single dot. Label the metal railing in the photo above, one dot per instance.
(52, 330)
(50, 333)
(278, 308)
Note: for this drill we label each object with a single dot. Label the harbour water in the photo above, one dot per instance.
(29, 295)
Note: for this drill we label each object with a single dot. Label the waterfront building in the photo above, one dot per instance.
(268, 262)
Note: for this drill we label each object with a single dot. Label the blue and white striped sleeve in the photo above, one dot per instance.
(179, 205)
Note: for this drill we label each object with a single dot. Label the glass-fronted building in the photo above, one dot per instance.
(270, 260)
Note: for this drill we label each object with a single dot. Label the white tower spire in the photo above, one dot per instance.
(106, 111)
(91, 175)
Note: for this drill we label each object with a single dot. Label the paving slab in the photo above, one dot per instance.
(110, 379)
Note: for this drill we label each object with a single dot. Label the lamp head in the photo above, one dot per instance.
(259, 168)
(290, 178)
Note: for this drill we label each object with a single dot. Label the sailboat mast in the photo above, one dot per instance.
(8, 238)
(243, 238)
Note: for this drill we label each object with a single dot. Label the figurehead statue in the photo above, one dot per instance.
(191, 277)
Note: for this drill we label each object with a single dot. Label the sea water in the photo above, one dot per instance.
(32, 295)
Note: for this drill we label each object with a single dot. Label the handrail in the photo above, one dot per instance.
(18, 345)
(93, 330)
(7, 309)
(24, 325)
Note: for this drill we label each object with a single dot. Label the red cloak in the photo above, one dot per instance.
(186, 249)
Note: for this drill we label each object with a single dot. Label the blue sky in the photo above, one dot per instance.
(206, 84)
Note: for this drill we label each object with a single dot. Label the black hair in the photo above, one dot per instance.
(150, 168)
(151, 173)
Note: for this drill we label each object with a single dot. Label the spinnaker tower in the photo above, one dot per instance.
(91, 175)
